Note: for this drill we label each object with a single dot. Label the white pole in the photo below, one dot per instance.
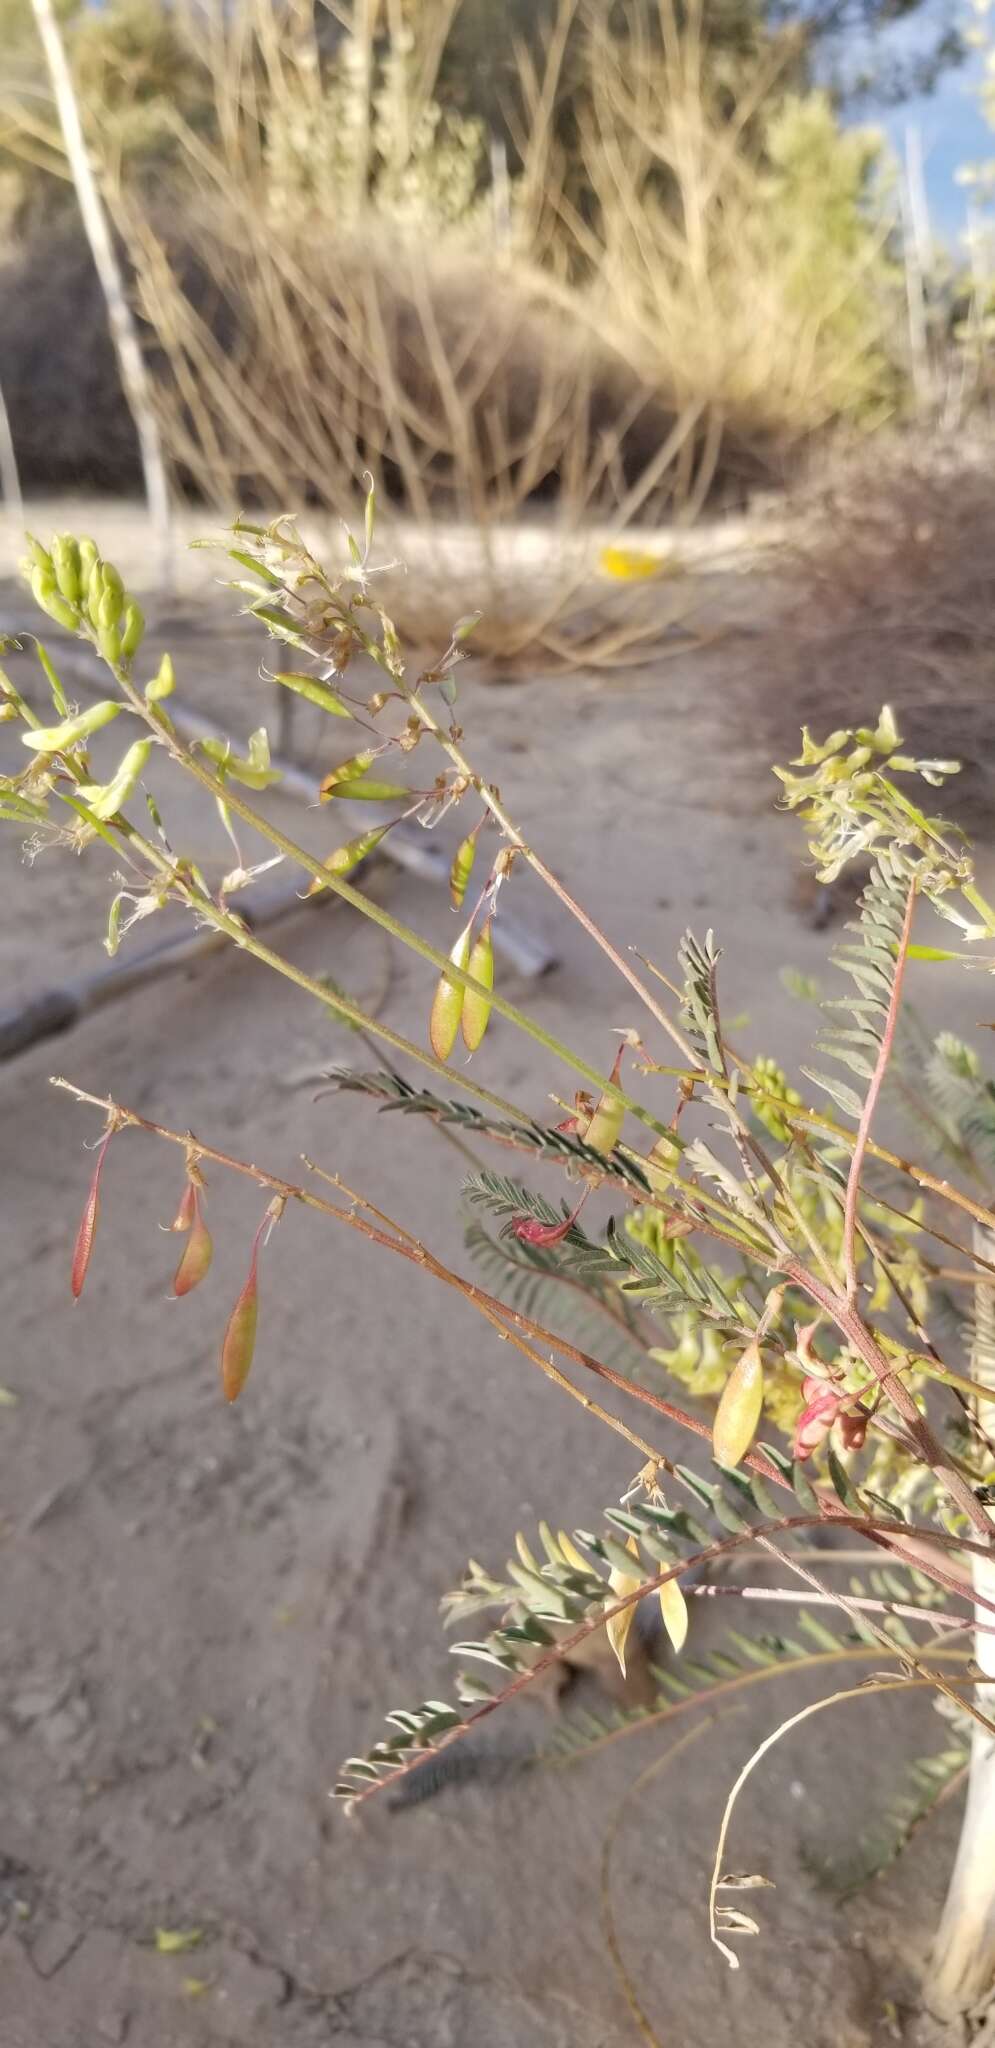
(131, 363)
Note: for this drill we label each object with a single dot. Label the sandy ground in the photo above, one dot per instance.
(205, 1609)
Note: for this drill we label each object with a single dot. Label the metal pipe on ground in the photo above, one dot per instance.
(405, 847)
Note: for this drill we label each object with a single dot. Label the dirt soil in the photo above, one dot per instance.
(205, 1609)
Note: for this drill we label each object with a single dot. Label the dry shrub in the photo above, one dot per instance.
(888, 589)
(396, 331)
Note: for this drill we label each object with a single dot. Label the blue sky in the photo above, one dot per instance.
(953, 132)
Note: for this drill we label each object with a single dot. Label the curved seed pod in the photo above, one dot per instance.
(185, 1213)
(197, 1253)
(88, 1222)
(53, 739)
(738, 1412)
(477, 1009)
(65, 557)
(163, 682)
(605, 1128)
(618, 1626)
(346, 858)
(105, 799)
(462, 867)
(240, 1335)
(45, 592)
(674, 1612)
(133, 630)
(447, 1007)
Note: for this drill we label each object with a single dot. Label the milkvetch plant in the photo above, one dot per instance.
(834, 1300)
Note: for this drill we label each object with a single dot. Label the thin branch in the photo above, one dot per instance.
(871, 1102)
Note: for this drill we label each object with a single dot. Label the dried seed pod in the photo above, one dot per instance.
(738, 1412)
(618, 1626)
(447, 1007)
(477, 1009)
(674, 1612)
(462, 867)
(88, 1221)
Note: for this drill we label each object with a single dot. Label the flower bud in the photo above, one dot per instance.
(65, 556)
(133, 630)
(45, 592)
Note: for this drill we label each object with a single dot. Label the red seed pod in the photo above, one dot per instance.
(529, 1230)
(853, 1428)
(88, 1222)
(185, 1213)
(197, 1252)
(240, 1335)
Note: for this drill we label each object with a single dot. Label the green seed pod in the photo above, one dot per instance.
(106, 799)
(738, 1412)
(459, 873)
(447, 1008)
(65, 556)
(54, 739)
(476, 1009)
(45, 592)
(346, 858)
(133, 630)
(163, 682)
(347, 771)
(604, 1130)
(89, 553)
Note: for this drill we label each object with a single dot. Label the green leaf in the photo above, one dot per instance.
(845, 1098)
